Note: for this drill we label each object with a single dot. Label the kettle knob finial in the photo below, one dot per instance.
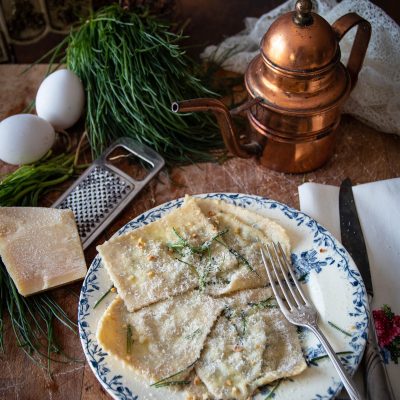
(303, 16)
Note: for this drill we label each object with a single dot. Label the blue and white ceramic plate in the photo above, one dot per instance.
(329, 277)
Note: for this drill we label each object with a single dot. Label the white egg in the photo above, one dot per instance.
(25, 138)
(60, 99)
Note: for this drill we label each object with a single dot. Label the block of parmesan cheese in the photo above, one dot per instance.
(40, 248)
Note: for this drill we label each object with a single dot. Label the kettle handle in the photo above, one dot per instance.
(360, 45)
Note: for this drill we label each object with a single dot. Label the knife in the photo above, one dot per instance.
(375, 376)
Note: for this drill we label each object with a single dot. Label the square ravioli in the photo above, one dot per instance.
(144, 269)
(161, 339)
(251, 344)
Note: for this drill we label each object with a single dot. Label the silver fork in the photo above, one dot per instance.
(300, 311)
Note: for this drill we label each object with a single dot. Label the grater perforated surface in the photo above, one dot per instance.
(103, 190)
(95, 197)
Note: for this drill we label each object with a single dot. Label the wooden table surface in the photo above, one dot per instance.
(362, 153)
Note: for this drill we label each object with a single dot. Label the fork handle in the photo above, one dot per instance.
(344, 376)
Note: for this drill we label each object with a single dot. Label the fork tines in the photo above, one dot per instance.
(280, 270)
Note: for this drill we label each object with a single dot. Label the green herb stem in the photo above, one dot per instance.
(183, 243)
(166, 381)
(339, 329)
(271, 393)
(313, 360)
(264, 304)
(193, 334)
(103, 297)
(171, 383)
(238, 256)
(129, 340)
(32, 321)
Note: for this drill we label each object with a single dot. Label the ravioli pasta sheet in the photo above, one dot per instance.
(245, 231)
(193, 310)
(165, 337)
(270, 229)
(140, 264)
(251, 344)
(205, 247)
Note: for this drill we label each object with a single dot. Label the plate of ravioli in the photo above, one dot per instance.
(177, 304)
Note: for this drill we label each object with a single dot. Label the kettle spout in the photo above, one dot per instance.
(225, 123)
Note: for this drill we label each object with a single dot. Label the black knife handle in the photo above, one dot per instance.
(376, 379)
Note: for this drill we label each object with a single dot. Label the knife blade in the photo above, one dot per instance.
(352, 235)
(376, 380)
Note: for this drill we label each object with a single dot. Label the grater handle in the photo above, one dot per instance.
(141, 151)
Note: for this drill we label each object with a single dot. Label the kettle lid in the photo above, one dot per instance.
(300, 41)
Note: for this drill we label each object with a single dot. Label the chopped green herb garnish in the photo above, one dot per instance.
(238, 256)
(339, 329)
(270, 394)
(171, 383)
(264, 304)
(340, 353)
(166, 381)
(188, 264)
(193, 334)
(227, 312)
(129, 340)
(302, 278)
(244, 322)
(182, 243)
(207, 245)
(230, 314)
(218, 281)
(203, 277)
(103, 297)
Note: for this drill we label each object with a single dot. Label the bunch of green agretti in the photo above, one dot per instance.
(32, 318)
(32, 321)
(28, 183)
(133, 68)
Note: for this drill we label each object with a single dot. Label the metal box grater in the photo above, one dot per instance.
(104, 190)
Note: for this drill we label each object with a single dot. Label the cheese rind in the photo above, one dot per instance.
(40, 248)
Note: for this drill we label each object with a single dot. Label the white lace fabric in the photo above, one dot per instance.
(375, 100)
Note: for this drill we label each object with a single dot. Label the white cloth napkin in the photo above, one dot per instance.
(378, 207)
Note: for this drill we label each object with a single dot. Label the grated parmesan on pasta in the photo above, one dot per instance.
(193, 303)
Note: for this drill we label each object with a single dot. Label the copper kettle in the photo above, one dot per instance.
(296, 87)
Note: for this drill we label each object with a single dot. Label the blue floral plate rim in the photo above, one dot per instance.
(116, 385)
